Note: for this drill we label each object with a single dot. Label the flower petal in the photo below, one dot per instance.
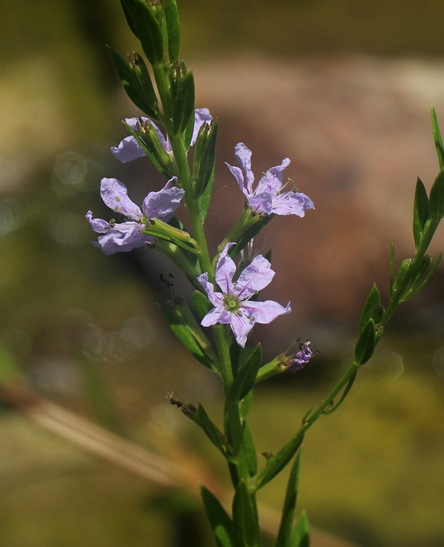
(264, 312)
(201, 116)
(123, 237)
(254, 278)
(225, 270)
(241, 325)
(127, 150)
(97, 224)
(163, 203)
(239, 176)
(243, 156)
(261, 204)
(291, 203)
(216, 298)
(115, 195)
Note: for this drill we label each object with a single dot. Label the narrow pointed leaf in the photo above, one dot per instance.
(371, 307)
(436, 199)
(244, 516)
(420, 211)
(246, 376)
(366, 343)
(288, 511)
(148, 29)
(201, 304)
(127, 6)
(220, 522)
(187, 335)
(183, 106)
(213, 433)
(173, 28)
(132, 86)
(301, 534)
(438, 139)
(250, 450)
(275, 464)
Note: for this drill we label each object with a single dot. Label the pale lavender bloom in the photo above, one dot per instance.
(268, 197)
(233, 306)
(127, 235)
(129, 149)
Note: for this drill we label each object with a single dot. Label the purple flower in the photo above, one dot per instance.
(233, 306)
(302, 357)
(129, 149)
(127, 235)
(267, 198)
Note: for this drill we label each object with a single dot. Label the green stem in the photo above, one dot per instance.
(234, 426)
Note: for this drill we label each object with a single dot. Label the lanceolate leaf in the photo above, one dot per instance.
(187, 336)
(275, 464)
(244, 516)
(437, 197)
(371, 306)
(438, 140)
(366, 343)
(289, 504)
(244, 380)
(301, 534)
(148, 29)
(250, 450)
(139, 96)
(219, 440)
(420, 211)
(173, 27)
(220, 522)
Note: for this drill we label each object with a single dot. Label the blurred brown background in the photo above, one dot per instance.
(342, 88)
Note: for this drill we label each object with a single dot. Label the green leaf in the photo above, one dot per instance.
(183, 102)
(244, 379)
(417, 283)
(204, 156)
(437, 138)
(220, 522)
(371, 308)
(365, 346)
(301, 534)
(201, 304)
(289, 508)
(275, 464)
(249, 234)
(245, 516)
(195, 341)
(127, 6)
(250, 450)
(173, 28)
(148, 29)
(214, 434)
(436, 199)
(244, 405)
(139, 95)
(420, 211)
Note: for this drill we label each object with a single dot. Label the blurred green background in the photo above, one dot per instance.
(85, 329)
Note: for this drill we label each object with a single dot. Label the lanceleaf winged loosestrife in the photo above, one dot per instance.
(180, 141)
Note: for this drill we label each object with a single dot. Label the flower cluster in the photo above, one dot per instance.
(235, 304)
